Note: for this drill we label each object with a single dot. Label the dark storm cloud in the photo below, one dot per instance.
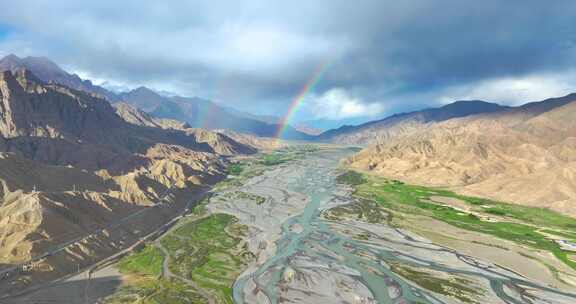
(257, 54)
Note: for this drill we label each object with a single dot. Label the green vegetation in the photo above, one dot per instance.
(259, 200)
(147, 261)
(152, 291)
(252, 167)
(363, 210)
(235, 169)
(242, 172)
(520, 224)
(144, 267)
(208, 252)
(205, 249)
(351, 178)
(275, 159)
(457, 287)
(286, 154)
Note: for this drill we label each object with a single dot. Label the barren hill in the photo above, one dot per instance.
(398, 124)
(522, 155)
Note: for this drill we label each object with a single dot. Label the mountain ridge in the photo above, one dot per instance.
(380, 130)
(48, 71)
(186, 109)
(73, 165)
(521, 154)
(202, 113)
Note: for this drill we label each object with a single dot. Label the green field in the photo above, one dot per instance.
(207, 252)
(235, 169)
(147, 261)
(145, 267)
(156, 291)
(524, 225)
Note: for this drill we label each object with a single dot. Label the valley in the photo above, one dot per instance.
(322, 233)
(287, 152)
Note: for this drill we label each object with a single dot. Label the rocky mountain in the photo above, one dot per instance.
(138, 117)
(197, 112)
(217, 141)
(201, 113)
(521, 155)
(48, 71)
(72, 165)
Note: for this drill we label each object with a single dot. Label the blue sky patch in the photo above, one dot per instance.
(5, 30)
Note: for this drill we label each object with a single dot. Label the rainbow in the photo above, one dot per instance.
(298, 100)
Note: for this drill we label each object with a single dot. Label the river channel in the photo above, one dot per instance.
(316, 260)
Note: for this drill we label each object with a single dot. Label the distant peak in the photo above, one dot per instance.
(143, 89)
(472, 105)
(11, 62)
(42, 62)
(468, 102)
(10, 57)
(38, 58)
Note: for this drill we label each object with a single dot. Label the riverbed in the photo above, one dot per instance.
(303, 257)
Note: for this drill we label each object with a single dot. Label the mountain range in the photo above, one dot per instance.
(73, 164)
(205, 114)
(524, 154)
(197, 112)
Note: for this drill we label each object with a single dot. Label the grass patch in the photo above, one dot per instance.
(351, 178)
(242, 172)
(363, 210)
(259, 200)
(147, 261)
(456, 287)
(156, 292)
(275, 159)
(144, 268)
(235, 169)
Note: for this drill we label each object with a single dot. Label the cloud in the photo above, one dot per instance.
(337, 103)
(514, 90)
(257, 54)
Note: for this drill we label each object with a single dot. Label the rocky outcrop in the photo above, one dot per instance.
(217, 141)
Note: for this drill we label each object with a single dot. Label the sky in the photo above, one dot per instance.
(378, 57)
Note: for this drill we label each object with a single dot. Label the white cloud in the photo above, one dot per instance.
(338, 103)
(513, 91)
